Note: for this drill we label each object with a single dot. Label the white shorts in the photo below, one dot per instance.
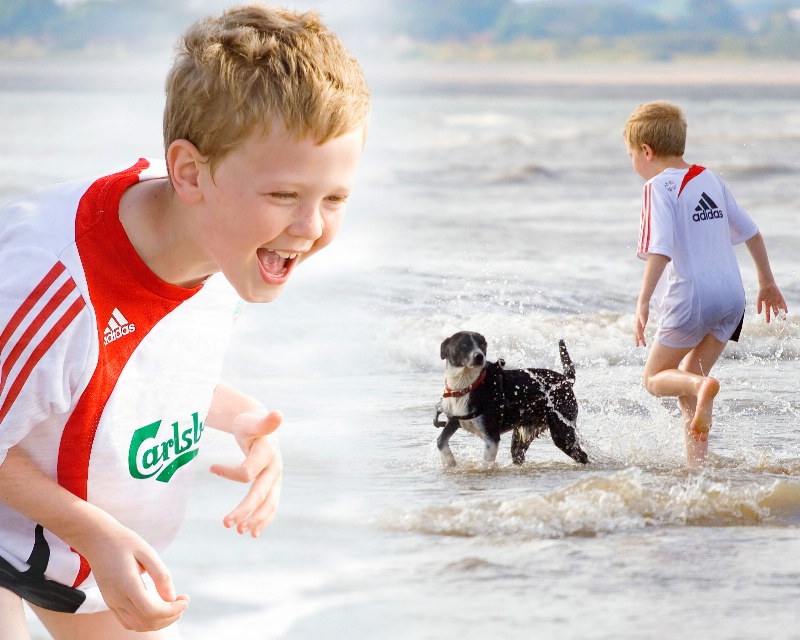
(728, 328)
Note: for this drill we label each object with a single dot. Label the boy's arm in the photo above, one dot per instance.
(769, 296)
(116, 554)
(656, 263)
(250, 423)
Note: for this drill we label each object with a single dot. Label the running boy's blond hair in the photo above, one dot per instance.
(661, 125)
(255, 66)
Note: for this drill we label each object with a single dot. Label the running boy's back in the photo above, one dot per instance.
(689, 224)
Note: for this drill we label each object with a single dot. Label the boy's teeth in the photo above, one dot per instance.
(286, 254)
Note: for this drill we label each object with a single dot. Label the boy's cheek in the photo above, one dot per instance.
(328, 235)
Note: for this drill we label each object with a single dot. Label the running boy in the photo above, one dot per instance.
(116, 300)
(689, 225)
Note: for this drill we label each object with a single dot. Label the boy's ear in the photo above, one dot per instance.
(649, 154)
(185, 163)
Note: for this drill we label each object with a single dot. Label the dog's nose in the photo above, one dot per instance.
(477, 358)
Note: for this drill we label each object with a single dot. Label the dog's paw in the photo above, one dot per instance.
(448, 460)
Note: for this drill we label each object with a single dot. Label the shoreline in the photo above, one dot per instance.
(702, 79)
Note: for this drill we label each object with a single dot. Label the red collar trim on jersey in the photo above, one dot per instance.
(121, 244)
(449, 393)
(694, 171)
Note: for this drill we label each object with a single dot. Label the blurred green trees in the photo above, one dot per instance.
(28, 17)
(610, 29)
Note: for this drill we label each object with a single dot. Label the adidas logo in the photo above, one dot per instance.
(707, 209)
(117, 327)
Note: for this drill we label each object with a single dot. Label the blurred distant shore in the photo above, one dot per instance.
(707, 79)
(703, 79)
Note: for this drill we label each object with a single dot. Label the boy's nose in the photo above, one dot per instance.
(308, 223)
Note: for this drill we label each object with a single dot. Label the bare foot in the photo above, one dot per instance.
(705, 406)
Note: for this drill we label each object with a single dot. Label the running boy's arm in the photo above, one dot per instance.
(769, 296)
(656, 263)
(116, 554)
(250, 423)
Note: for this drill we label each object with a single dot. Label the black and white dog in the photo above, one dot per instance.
(485, 399)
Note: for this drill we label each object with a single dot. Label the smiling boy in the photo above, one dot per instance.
(118, 297)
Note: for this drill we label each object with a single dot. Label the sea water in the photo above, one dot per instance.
(515, 215)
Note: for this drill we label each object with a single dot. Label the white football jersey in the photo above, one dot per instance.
(107, 374)
(689, 216)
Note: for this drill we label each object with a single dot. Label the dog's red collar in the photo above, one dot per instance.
(449, 393)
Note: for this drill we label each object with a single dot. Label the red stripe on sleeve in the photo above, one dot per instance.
(644, 229)
(30, 302)
(55, 331)
(38, 322)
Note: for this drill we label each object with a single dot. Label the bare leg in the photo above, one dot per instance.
(697, 411)
(95, 626)
(696, 450)
(12, 617)
(666, 375)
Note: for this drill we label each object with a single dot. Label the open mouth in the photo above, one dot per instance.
(276, 265)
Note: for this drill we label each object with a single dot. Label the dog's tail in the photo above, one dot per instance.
(566, 362)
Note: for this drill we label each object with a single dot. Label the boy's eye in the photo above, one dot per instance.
(283, 195)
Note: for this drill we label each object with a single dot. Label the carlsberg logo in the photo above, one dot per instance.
(161, 454)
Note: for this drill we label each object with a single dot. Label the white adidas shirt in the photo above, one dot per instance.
(107, 371)
(690, 216)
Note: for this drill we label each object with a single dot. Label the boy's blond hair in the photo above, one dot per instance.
(661, 125)
(255, 66)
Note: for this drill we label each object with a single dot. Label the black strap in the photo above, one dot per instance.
(439, 412)
(469, 416)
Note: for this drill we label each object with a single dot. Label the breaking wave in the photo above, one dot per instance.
(625, 500)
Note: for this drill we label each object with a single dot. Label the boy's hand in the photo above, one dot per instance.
(118, 558)
(770, 298)
(642, 315)
(653, 269)
(262, 466)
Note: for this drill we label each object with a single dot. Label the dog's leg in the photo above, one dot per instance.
(490, 448)
(519, 445)
(443, 442)
(439, 411)
(563, 434)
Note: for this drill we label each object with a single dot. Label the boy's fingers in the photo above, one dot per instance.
(261, 456)
(264, 514)
(264, 426)
(260, 499)
(139, 610)
(148, 615)
(230, 472)
(140, 622)
(152, 565)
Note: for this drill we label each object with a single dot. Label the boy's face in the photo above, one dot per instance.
(272, 203)
(641, 159)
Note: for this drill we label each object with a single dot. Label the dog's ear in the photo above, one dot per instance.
(443, 349)
(482, 342)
